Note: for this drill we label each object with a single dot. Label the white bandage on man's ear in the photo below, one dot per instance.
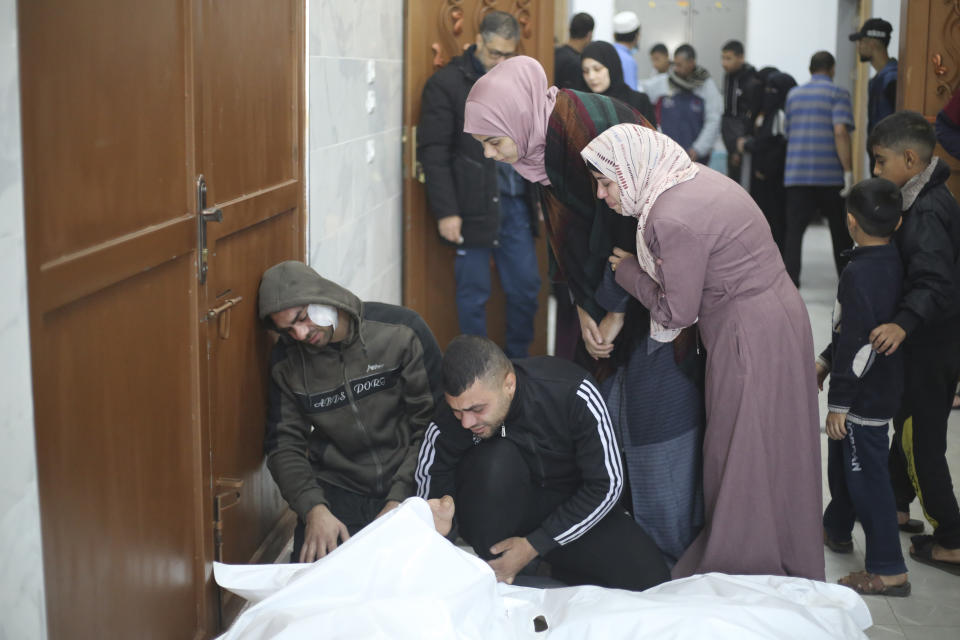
(322, 315)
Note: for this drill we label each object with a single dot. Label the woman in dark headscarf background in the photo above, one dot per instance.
(768, 149)
(603, 74)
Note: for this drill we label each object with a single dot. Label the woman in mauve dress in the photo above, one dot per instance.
(705, 254)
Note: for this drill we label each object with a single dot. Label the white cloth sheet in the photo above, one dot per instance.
(399, 579)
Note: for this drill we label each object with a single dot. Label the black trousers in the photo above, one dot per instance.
(803, 205)
(918, 462)
(771, 196)
(354, 510)
(498, 499)
(860, 489)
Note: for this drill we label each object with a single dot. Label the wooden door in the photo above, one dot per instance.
(124, 104)
(929, 63)
(435, 31)
(111, 263)
(250, 83)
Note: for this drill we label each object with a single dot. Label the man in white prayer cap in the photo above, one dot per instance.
(352, 389)
(626, 35)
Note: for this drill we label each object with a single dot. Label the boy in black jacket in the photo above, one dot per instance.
(865, 393)
(928, 324)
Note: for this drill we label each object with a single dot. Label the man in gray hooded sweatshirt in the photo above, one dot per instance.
(353, 386)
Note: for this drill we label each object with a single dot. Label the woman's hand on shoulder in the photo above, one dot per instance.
(617, 257)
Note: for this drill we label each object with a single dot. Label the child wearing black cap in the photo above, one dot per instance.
(865, 393)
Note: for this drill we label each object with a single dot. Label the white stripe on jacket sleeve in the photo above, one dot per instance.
(428, 451)
(611, 460)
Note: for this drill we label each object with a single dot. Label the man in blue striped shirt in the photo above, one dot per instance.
(819, 160)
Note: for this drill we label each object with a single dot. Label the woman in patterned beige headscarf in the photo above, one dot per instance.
(705, 254)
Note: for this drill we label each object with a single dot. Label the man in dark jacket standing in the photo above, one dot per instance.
(482, 206)
(526, 454)
(352, 387)
(689, 105)
(872, 41)
(742, 91)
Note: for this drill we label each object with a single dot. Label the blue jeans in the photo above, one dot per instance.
(860, 488)
(516, 261)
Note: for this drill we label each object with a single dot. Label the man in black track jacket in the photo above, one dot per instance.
(528, 454)
(352, 387)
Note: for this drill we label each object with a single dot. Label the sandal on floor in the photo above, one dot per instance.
(837, 546)
(911, 526)
(923, 552)
(870, 584)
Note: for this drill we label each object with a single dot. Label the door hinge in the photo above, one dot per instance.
(416, 169)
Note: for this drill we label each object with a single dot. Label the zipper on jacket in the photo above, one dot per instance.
(356, 414)
(536, 456)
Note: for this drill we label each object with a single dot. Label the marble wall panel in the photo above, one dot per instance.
(351, 254)
(359, 29)
(21, 560)
(354, 194)
(331, 192)
(338, 96)
(389, 94)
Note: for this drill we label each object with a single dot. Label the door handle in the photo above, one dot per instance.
(223, 312)
(204, 216)
(212, 215)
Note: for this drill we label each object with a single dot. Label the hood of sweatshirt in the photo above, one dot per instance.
(294, 284)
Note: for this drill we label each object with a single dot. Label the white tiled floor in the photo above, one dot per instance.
(932, 611)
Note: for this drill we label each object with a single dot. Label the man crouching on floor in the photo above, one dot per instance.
(352, 387)
(526, 452)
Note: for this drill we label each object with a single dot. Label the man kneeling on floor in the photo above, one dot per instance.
(352, 387)
(527, 452)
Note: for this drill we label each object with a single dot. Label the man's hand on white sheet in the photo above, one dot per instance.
(321, 534)
(389, 506)
(443, 510)
(517, 553)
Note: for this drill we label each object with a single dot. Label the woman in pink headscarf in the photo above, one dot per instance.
(652, 388)
(705, 254)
